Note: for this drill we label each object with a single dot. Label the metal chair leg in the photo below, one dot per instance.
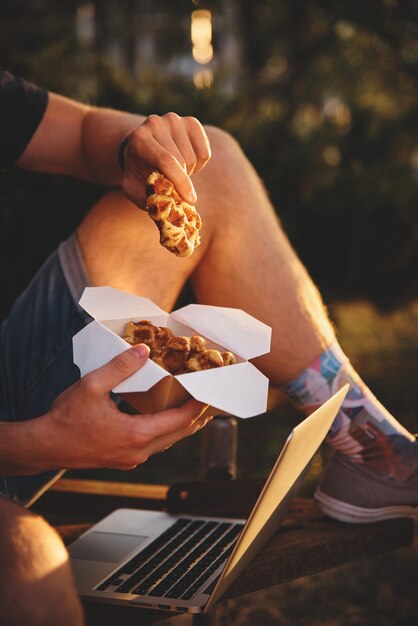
(219, 448)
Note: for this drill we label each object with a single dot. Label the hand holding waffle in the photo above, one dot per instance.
(176, 146)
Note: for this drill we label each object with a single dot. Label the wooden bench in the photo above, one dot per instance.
(307, 542)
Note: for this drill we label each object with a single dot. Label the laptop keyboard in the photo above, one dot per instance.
(178, 563)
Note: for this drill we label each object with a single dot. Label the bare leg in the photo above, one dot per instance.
(120, 248)
(245, 260)
(36, 583)
(251, 264)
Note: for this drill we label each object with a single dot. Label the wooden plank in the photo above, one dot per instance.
(113, 615)
(317, 545)
(72, 501)
(111, 488)
(71, 532)
(224, 498)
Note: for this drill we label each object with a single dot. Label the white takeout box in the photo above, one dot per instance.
(239, 389)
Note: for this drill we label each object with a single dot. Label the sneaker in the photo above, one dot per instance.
(350, 493)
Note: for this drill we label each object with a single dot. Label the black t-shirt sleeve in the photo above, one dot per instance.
(22, 106)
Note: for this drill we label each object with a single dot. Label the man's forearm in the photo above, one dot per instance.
(23, 448)
(79, 141)
(103, 130)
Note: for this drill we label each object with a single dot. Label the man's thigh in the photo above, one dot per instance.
(36, 583)
(36, 351)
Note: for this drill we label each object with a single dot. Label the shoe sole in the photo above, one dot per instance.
(344, 512)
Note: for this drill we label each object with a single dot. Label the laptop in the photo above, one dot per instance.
(186, 563)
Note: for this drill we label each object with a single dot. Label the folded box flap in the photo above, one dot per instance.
(234, 329)
(143, 380)
(106, 303)
(240, 390)
(95, 346)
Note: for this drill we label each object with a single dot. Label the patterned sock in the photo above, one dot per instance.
(363, 429)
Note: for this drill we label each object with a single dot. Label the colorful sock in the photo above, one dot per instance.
(363, 429)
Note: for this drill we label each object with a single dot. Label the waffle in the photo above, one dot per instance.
(176, 354)
(155, 337)
(178, 222)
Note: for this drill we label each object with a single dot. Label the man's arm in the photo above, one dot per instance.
(83, 141)
(85, 429)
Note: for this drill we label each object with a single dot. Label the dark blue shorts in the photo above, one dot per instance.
(36, 361)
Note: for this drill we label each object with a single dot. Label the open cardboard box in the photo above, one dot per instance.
(239, 390)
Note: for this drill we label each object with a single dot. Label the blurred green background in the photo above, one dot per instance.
(323, 97)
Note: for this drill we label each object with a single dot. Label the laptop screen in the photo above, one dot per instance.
(280, 487)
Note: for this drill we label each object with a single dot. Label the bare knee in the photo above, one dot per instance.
(36, 583)
(229, 171)
(223, 145)
(229, 187)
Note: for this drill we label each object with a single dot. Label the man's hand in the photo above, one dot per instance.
(83, 141)
(85, 429)
(176, 146)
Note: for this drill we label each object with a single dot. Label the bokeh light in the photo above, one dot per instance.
(331, 155)
(203, 79)
(85, 23)
(345, 30)
(307, 119)
(201, 36)
(277, 65)
(337, 112)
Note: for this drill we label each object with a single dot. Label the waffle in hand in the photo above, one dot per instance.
(178, 222)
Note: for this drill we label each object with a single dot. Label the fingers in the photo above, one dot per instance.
(175, 137)
(105, 378)
(171, 420)
(170, 167)
(162, 443)
(199, 141)
(191, 142)
(156, 432)
(174, 145)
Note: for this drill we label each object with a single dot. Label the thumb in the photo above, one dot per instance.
(122, 366)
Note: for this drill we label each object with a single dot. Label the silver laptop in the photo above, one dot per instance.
(186, 563)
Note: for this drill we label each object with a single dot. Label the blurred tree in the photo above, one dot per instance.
(322, 95)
